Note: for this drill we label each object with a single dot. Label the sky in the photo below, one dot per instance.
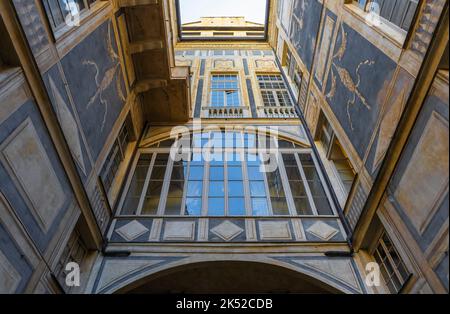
(253, 10)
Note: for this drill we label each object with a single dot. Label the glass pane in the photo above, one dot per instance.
(234, 159)
(258, 189)
(135, 191)
(216, 207)
(162, 159)
(150, 206)
(298, 189)
(155, 188)
(293, 173)
(216, 189)
(323, 206)
(179, 173)
(302, 206)
(280, 206)
(216, 173)
(176, 189)
(235, 173)
(173, 206)
(167, 143)
(196, 173)
(275, 184)
(158, 173)
(236, 206)
(260, 207)
(195, 188)
(255, 174)
(235, 188)
(193, 207)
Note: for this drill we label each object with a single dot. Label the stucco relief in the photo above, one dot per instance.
(224, 64)
(347, 80)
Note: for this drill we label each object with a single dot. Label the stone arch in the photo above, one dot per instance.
(300, 139)
(122, 275)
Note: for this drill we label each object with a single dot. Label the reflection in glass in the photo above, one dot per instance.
(193, 206)
(216, 207)
(260, 207)
(236, 206)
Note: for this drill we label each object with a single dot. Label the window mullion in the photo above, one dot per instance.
(268, 196)
(185, 188)
(129, 180)
(306, 185)
(146, 184)
(286, 185)
(226, 190)
(165, 188)
(205, 196)
(325, 186)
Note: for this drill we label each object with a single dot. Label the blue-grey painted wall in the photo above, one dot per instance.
(95, 80)
(357, 85)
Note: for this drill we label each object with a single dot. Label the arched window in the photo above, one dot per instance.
(233, 174)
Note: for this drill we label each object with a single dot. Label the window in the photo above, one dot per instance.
(336, 155)
(393, 270)
(116, 155)
(223, 175)
(293, 70)
(273, 91)
(225, 91)
(59, 10)
(397, 12)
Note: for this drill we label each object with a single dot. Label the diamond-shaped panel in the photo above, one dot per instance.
(132, 230)
(227, 230)
(322, 231)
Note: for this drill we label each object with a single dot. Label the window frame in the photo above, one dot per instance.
(380, 244)
(367, 5)
(242, 152)
(394, 33)
(225, 90)
(61, 29)
(120, 148)
(274, 91)
(324, 126)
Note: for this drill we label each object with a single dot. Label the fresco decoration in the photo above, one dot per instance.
(108, 78)
(324, 48)
(68, 125)
(347, 80)
(67, 118)
(95, 81)
(305, 23)
(285, 14)
(390, 118)
(355, 99)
